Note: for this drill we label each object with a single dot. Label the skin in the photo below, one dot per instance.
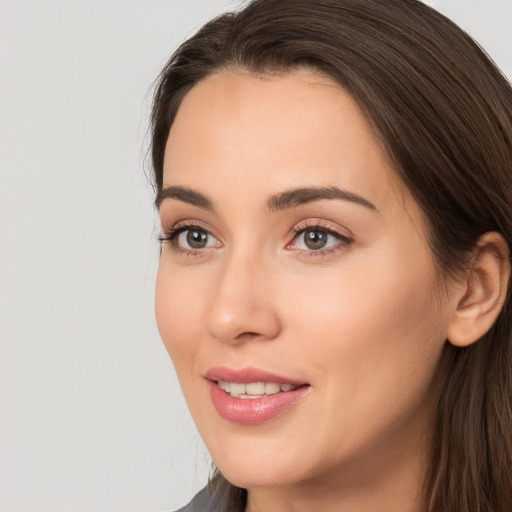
(364, 321)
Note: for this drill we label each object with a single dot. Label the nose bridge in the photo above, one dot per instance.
(241, 305)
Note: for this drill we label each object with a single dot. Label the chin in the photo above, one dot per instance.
(254, 464)
(264, 475)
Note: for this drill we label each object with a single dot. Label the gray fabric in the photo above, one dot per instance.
(203, 502)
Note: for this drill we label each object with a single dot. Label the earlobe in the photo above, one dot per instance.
(484, 292)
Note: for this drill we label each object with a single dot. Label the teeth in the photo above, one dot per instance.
(237, 389)
(271, 388)
(226, 386)
(253, 389)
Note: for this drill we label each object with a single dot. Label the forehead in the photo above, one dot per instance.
(237, 131)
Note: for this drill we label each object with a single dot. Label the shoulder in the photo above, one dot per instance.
(203, 501)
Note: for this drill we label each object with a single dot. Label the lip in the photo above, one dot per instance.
(252, 411)
(247, 375)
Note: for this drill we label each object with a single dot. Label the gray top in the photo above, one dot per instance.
(203, 501)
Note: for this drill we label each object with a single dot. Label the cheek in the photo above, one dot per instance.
(372, 347)
(178, 316)
(370, 330)
(365, 299)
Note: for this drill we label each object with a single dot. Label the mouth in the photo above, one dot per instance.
(250, 396)
(254, 390)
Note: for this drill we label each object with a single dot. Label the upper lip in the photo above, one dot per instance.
(248, 375)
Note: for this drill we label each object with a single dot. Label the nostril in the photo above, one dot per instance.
(235, 319)
(249, 336)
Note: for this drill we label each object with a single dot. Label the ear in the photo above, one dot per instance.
(483, 292)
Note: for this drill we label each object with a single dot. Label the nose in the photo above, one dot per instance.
(241, 305)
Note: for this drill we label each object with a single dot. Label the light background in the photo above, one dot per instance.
(91, 416)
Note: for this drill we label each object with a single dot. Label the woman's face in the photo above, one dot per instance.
(297, 271)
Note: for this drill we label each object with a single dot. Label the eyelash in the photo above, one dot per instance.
(171, 235)
(344, 240)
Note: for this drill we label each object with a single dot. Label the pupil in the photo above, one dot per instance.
(197, 239)
(315, 239)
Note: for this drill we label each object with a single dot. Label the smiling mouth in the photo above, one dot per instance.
(252, 390)
(251, 396)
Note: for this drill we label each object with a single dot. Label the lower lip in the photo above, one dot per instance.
(252, 411)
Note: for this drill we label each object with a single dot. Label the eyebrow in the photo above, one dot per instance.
(281, 201)
(299, 196)
(186, 195)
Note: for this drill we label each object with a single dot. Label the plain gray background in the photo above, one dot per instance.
(91, 416)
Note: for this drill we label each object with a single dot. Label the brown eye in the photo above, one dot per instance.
(196, 238)
(319, 240)
(315, 239)
(192, 238)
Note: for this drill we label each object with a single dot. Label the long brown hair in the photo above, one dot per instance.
(443, 111)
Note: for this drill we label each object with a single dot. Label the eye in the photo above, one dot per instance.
(189, 239)
(315, 239)
(318, 239)
(195, 238)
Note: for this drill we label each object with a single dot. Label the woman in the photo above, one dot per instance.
(334, 186)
